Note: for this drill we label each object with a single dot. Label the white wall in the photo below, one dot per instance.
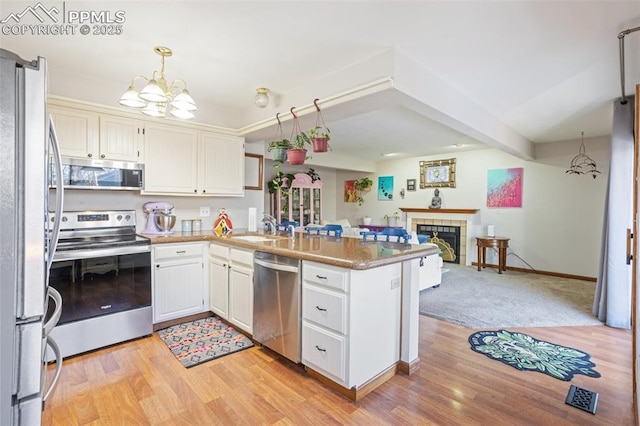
(557, 229)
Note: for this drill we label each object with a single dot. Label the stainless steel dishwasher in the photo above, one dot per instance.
(276, 304)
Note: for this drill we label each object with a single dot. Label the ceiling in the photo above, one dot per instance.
(478, 73)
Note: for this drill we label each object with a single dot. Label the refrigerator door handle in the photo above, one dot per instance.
(54, 381)
(53, 294)
(59, 192)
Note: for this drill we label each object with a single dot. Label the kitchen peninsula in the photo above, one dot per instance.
(372, 284)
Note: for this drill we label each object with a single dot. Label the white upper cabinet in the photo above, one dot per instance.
(222, 165)
(179, 159)
(182, 161)
(77, 131)
(121, 138)
(88, 134)
(171, 160)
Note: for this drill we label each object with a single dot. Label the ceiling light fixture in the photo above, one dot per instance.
(157, 95)
(262, 99)
(582, 164)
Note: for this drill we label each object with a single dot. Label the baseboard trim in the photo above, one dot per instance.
(169, 323)
(409, 368)
(359, 393)
(553, 274)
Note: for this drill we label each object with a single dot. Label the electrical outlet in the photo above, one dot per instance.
(395, 283)
(205, 211)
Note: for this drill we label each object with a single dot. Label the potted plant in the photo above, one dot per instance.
(278, 150)
(392, 220)
(320, 138)
(363, 184)
(297, 152)
(313, 175)
(280, 181)
(366, 220)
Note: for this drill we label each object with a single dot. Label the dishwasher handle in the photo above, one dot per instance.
(276, 266)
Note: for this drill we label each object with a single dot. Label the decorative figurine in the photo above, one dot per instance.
(436, 201)
(222, 225)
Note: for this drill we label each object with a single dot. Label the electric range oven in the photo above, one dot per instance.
(102, 269)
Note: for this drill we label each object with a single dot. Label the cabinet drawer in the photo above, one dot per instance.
(170, 251)
(324, 351)
(244, 257)
(325, 307)
(325, 275)
(219, 251)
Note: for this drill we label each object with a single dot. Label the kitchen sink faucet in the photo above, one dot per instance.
(268, 219)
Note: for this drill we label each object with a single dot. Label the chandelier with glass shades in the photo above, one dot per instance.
(157, 95)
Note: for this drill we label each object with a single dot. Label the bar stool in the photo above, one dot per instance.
(336, 230)
(284, 226)
(389, 234)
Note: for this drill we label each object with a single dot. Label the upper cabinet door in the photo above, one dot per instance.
(121, 139)
(221, 165)
(77, 132)
(171, 159)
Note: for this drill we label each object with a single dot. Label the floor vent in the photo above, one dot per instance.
(583, 399)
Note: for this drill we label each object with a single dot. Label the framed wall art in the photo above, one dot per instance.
(411, 184)
(350, 192)
(385, 188)
(438, 174)
(504, 187)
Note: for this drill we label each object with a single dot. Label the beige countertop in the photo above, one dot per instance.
(353, 253)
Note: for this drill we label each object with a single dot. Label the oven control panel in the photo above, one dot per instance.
(96, 219)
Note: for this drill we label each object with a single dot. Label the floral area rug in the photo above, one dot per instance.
(195, 342)
(527, 353)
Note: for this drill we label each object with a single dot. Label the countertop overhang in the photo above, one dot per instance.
(346, 252)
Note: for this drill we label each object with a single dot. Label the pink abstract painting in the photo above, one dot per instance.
(504, 187)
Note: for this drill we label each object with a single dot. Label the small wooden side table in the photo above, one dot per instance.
(501, 243)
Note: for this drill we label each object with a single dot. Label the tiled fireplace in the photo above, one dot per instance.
(467, 219)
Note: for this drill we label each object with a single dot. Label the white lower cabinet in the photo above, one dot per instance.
(231, 285)
(350, 321)
(219, 280)
(178, 278)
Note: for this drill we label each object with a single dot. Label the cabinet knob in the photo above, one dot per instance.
(89, 155)
(195, 190)
(102, 156)
(204, 190)
(157, 265)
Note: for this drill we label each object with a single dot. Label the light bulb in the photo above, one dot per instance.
(262, 99)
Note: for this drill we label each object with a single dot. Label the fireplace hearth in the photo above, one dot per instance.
(447, 238)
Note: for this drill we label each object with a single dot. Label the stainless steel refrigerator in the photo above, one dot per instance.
(26, 246)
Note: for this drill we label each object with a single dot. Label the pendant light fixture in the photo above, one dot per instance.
(262, 98)
(582, 164)
(156, 96)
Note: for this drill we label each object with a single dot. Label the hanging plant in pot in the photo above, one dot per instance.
(278, 150)
(297, 152)
(278, 146)
(319, 134)
(363, 184)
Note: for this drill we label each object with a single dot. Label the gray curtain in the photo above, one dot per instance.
(612, 302)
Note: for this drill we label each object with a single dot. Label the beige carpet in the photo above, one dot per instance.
(512, 299)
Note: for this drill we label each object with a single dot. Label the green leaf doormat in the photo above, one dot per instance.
(530, 354)
(195, 342)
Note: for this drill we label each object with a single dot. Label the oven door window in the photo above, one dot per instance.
(98, 286)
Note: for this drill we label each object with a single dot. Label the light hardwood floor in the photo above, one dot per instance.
(140, 382)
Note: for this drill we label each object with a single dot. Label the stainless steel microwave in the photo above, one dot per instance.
(80, 173)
